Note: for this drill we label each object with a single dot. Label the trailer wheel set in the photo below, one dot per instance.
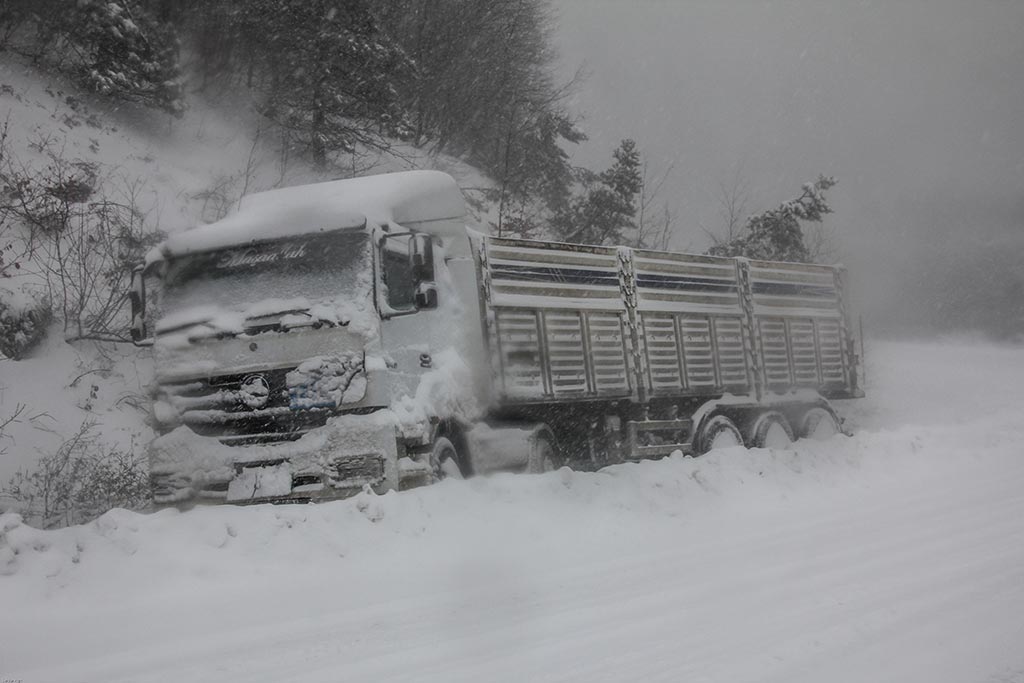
(726, 427)
(773, 429)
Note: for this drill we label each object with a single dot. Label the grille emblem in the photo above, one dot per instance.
(254, 392)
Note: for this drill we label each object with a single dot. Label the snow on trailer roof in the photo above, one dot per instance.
(406, 197)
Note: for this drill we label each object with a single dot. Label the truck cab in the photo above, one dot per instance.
(291, 338)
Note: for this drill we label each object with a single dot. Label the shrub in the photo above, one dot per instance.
(80, 481)
(24, 320)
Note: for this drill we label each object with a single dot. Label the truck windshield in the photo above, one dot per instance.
(310, 269)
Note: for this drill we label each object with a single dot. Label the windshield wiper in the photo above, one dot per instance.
(182, 326)
(212, 332)
(200, 330)
(283, 324)
(312, 320)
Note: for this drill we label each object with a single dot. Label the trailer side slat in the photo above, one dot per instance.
(564, 315)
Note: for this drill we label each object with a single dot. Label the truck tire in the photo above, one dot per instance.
(544, 455)
(718, 432)
(819, 424)
(770, 429)
(445, 461)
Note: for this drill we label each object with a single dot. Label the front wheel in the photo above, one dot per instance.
(444, 460)
(718, 432)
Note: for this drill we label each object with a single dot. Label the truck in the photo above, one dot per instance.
(358, 335)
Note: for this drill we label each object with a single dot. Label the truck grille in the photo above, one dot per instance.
(243, 409)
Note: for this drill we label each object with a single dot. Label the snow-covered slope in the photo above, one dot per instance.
(894, 555)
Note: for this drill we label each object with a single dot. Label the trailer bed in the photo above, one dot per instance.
(570, 322)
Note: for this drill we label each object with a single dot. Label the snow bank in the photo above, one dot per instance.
(892, 555)
(588, 505)
(971, 427)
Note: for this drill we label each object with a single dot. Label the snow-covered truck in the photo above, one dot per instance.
(357, 333)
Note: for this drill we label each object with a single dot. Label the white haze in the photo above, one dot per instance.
(914, 106)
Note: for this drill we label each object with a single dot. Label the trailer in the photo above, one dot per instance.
(656, 339)
(357, 334)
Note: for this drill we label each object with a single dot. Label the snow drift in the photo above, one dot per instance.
(897, 554)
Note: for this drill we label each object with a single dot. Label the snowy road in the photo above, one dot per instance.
(896, 555)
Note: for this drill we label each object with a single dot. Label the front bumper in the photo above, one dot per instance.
(337, 460)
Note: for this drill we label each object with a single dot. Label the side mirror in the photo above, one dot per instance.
(137, 297)
(426, 296)
(423, 257)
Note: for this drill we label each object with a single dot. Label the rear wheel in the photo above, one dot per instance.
(770, 429)
(718, 432)
(819, 424)
(445, 461)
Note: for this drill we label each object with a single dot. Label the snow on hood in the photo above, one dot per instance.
(407, 197)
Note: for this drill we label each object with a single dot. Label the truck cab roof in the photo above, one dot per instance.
(404, 198)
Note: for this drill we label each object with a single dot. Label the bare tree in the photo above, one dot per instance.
(82, 241)
(821, 242)
(733, 198)
(654, 225)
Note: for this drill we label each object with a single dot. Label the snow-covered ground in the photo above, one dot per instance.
(894, 555)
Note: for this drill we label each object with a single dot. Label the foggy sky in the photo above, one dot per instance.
(915, 106)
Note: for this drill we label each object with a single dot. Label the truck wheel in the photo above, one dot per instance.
(770, 430)
(718, 432)
(444, 460)
(819, 424)
(544, 456)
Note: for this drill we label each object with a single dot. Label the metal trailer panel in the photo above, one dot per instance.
(571, 322)
(697, 297)
(803, 329)
(557, 321)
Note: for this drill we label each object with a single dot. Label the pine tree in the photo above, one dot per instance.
(484, 90)
(776, 235)
(606, 211)
(125, 53)
(333, 76)
(114, 47)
